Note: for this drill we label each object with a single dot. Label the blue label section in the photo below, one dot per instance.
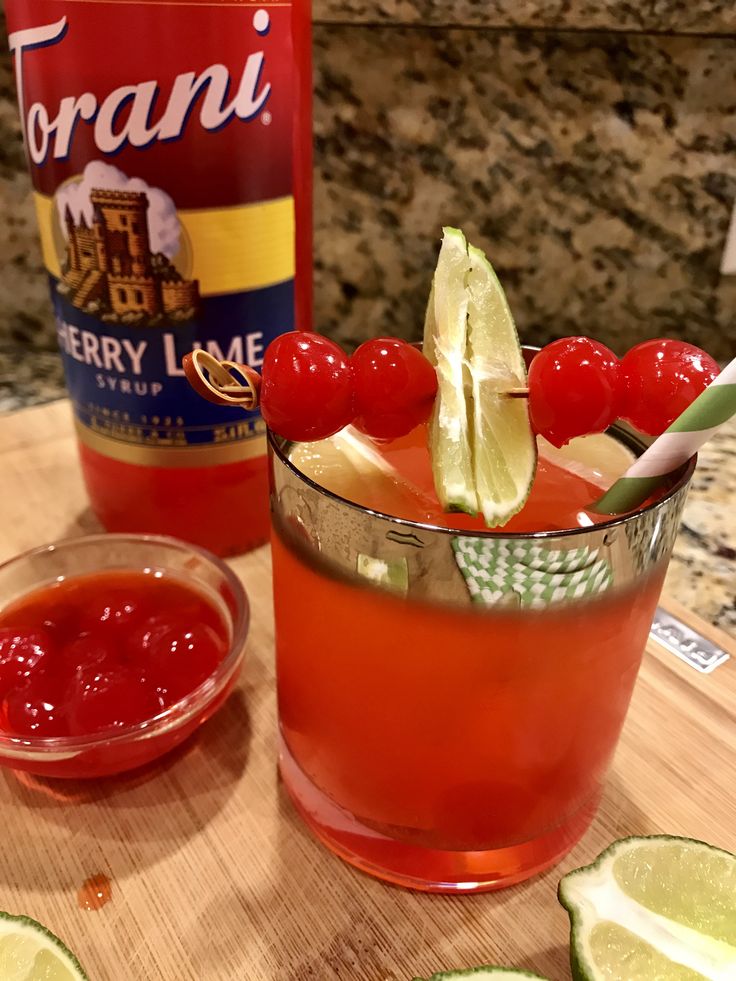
(127, 383)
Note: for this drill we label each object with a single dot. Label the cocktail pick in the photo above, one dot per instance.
(702, 418)
(222, 382)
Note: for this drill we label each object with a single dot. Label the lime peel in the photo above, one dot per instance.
(485, 973)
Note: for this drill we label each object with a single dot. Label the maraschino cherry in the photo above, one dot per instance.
(574, 389)
(306, 391)
(660, 380)
(394, 387)
(310, 389)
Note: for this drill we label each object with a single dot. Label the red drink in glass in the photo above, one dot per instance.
(447, 745)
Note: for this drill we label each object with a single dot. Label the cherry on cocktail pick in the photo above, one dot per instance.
(309, 388)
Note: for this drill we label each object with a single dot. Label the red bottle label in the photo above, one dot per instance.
(160, 144)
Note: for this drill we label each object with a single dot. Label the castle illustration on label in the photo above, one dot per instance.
(110, 270)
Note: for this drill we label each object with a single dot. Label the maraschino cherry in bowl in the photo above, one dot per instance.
(113, 650)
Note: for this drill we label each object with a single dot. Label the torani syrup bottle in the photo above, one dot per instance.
(169, 145)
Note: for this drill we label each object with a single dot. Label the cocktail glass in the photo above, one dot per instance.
(450, 700)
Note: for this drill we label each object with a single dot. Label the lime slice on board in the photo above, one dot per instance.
(30, 952)
(483, 974)
(653, 909)
(445, 342)
(481, 443)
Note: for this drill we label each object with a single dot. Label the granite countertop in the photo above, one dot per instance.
(670, 16)
(702, 573)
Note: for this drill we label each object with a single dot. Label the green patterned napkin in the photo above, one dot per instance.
(538, 576)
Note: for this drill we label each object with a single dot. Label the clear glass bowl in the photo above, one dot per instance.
(106, 753)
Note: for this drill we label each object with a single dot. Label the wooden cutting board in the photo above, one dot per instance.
(213, 876)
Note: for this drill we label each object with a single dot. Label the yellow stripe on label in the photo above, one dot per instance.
(244, 247)
(44, 215)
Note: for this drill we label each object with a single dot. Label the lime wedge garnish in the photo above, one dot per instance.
(349, 464)
(482, 447)
(30, 952)
(653, 909)
(482, 974)
(504, 448)
(445, 342)
(598, 458)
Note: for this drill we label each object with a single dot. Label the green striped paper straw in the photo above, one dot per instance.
(496, 569)
(675, 446)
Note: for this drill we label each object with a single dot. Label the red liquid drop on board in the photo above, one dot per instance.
(94, 892)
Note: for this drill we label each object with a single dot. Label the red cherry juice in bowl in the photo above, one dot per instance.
(113, 649)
